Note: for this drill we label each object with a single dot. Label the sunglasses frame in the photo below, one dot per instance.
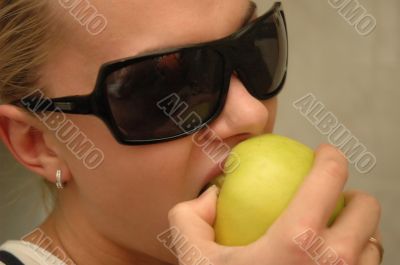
(97, 104)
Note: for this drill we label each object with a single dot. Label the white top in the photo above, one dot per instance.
(30, 254)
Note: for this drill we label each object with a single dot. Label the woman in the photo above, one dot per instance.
(126, 158)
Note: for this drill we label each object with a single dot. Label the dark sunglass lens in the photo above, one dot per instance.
(166, 96)
(264, 56)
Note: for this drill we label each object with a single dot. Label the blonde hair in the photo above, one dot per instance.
(25, 29)
(24, 36)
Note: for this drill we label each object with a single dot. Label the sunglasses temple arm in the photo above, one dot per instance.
(74, 104)
(70, 105)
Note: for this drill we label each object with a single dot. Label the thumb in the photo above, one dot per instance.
(194, 219)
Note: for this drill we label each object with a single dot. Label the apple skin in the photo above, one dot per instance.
(254, 195)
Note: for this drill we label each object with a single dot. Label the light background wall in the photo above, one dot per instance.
(357, 78)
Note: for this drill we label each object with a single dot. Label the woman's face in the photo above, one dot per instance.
(126, 199)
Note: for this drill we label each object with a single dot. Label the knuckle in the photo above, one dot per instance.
(336, 168)
(299, 232)
(177, 211)
(371, 201)
(333, 153)
(300, 244)
(325, 148)
(330, 150)
(345, 252)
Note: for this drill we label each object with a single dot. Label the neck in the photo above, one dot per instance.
(75, 242)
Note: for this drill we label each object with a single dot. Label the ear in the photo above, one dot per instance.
(31, 143)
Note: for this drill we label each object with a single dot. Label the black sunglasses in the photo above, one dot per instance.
(138, 97)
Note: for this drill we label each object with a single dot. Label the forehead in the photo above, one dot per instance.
(135, 26)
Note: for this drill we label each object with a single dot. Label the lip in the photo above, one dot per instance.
(218, 168)
(215, 172)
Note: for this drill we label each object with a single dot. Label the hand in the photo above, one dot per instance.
(345, 242)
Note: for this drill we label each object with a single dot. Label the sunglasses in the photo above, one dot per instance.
(143, 99)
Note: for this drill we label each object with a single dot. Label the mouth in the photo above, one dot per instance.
(214, 177)
(218, 181)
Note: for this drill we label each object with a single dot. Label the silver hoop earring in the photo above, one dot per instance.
(59, 183)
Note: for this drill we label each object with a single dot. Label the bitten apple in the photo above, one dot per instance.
(271, 168)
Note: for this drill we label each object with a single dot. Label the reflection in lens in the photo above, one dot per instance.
(133, 92)
(263, 56)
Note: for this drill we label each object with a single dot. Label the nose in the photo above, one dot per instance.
(242, 114)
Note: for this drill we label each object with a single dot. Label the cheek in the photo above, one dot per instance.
(148, 179)
(272, 106)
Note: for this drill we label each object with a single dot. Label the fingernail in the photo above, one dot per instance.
(212, 189)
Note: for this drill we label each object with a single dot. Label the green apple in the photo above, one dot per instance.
(270, 170)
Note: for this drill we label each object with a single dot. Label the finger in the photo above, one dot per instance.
(358, 221)
(371, 254)
(378, 235)
(194, 219)
(367, 258)
(316, 199)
